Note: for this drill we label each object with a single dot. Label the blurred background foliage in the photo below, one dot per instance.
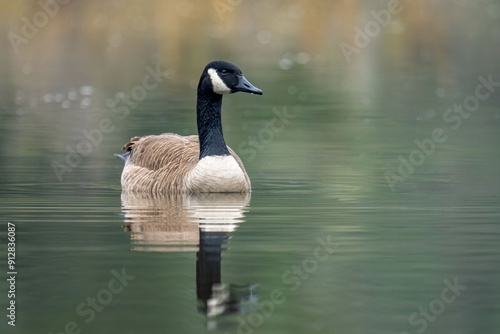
(427, 57)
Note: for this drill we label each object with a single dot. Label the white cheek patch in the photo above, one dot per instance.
(219, 85)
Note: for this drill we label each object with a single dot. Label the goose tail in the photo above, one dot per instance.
(123, 156)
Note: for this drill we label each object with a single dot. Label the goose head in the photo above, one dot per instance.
(222, 77)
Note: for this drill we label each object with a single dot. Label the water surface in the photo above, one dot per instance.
(334, 237)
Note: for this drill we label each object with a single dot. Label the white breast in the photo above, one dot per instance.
(217, 174)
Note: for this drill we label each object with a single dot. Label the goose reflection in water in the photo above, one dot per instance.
(193, 223)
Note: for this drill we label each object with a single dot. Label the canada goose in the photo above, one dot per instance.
(192, 164)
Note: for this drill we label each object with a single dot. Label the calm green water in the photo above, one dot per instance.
(338, 235)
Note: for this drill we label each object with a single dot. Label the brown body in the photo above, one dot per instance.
(170, 163)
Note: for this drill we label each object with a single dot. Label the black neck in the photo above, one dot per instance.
(208, 112)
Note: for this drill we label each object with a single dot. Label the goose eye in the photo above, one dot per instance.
(223, 72)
